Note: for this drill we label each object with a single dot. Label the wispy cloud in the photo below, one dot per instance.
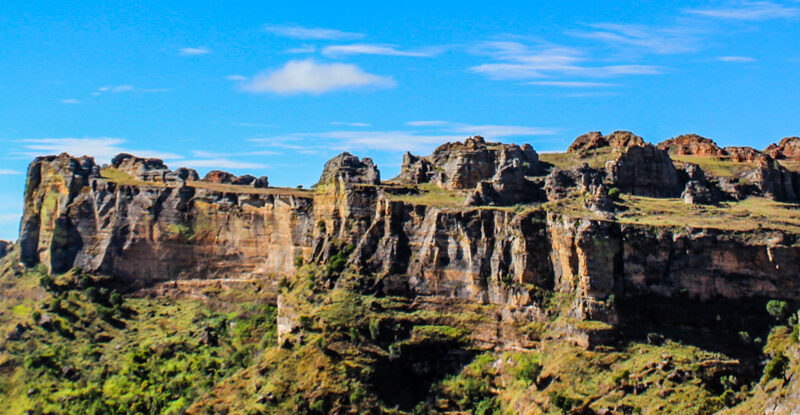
(749, 10)
(114, 89)
(350, 124)
(10, 217)
(573, 84)
(374, 49)
(735, 59)
(490, 130)
(70, 101)
(236, 77)
(212, 154)
(101, 148)
(309, 76)
(650, 39)
(194, 51)
(303, 49)
(6, 172)
(315, 33)
(118, 89)
(221, 163)
(519, 61)
(253, 124)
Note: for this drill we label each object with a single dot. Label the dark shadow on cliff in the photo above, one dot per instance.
(405, 380)
(736, 328)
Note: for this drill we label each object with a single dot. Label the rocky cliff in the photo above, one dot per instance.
(144, 224)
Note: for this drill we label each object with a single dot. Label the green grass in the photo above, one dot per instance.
(430, 194)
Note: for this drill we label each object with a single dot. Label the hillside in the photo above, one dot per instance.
(619, 277)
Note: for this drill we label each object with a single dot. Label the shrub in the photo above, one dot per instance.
(775, 368)
(613, 193)
(528, 368)
(115, 299)
(778, 309)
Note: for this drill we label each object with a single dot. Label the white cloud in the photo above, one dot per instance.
(428, 123)
(101, 148)
(749, 10)
(395, 140)
(215, 155)
(659, 40)
(10, 217)
(70, 101)
(372, 49)
(4, 172)
(195, 51)
(116, 89)
(350, 124)
(221, 163)
(735, 59)
(302, 49)
(497, 131)
(308, 76)
(518, 61)
(316, 33)
(572, 84)
(491, 131)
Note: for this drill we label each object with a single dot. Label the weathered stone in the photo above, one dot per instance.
(775, 181)
(697, 192)
(464, 165)
(743, 154)
(246, 180)
(595, 140)
(261, 182)
(788, 148)
(644, 171)
(149, 170)
(348, 169)
(507, 187)
(561, 183)
(692, 145)
(219, 177)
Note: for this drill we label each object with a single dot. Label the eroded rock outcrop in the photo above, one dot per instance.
(788, 148)
(153, 232)
(644, 171)
(5, 248)
(595, 140)
(692, 145)
(463, 165)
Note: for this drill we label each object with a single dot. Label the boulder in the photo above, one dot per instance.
(788, 148)
(595, 140)
(644, 171)
(348, 169)
(698, 192)
(246, 180)
(464, 165)
(600, 202)
(219, 177)
(261, 182)
(692, 145)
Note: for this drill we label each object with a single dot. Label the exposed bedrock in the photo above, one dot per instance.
(146, 233)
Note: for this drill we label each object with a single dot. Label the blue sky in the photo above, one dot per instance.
(277, 88)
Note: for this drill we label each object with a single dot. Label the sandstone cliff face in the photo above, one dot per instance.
(144, 234)
(152, 232)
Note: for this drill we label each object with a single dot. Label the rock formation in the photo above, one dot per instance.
(788, 148)
(143, 234)
(348, 169)
(463, 165)
(595, 140)
(692, 145)
(644, 171)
